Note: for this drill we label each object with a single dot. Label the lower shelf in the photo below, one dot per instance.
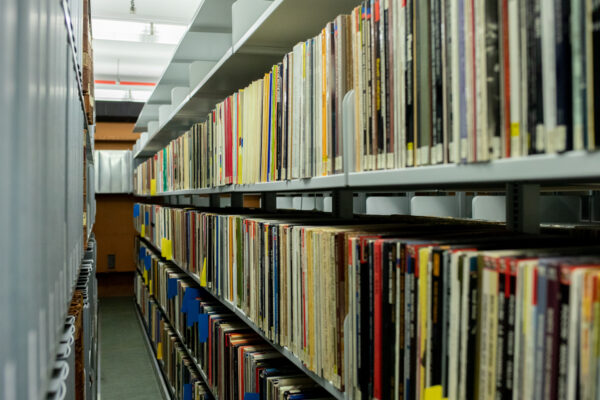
(324, 383)
(166, 389)
(184, 345)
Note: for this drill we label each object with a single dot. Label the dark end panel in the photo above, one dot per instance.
(118, 111)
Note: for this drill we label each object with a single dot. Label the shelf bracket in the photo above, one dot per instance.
(214, 200)
(342, 203)
(523, 207)
(268, 201)
(237, 200)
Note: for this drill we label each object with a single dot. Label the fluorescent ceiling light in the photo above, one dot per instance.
(122, 95)
(135, 31)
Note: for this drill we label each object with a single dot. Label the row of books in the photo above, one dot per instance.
(178, 368)
(404, 307)
(434, 82)
(237, 362)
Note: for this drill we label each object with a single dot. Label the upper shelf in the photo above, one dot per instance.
(282, 24)
(552, 169)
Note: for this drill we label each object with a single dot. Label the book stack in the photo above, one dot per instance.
(407, 306)
(234, 359)
(434, 82)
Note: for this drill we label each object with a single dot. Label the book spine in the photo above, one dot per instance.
(410, 85)
(437, 105)
(552, 334)
(563, 345)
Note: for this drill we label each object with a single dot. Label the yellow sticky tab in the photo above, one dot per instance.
(153, 187)
(143, 232)
(433, 393)
(150, 286)
(159, 351)
(514, 129)
(168, 249)
(203, 275)
(409, 146)
(162, 247)
(145, 277)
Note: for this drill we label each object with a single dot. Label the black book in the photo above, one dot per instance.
(492, 62)
(388, 258)
(473, 324)
(437, 105)
(411, 139)
(564, 103)
(535, 110)
(437, 327)
(501, 344)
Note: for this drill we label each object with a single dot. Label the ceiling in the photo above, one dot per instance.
(135, 48)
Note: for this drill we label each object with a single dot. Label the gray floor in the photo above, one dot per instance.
(126, 367)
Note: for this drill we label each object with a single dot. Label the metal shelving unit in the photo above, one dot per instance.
(262, 46)
(332, 390)
(88, 129)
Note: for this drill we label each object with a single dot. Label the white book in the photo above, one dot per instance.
(399, 81)
(318, 107)
(575, 298)
(296, 150)
(548, 22)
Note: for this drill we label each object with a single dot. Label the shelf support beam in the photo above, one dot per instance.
(523, 207)
(214, 200)
(342, 203)
(237, 200)
(268, 201)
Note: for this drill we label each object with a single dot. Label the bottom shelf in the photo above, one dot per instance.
(166, 390)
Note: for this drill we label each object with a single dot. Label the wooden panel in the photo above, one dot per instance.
(115, 131)
(115, 284)
(114, 231)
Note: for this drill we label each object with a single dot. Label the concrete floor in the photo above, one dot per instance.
(126, 367)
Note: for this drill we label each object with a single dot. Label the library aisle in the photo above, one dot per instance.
(126, 363)
(300, 199)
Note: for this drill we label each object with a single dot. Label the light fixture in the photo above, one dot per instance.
(137, 31)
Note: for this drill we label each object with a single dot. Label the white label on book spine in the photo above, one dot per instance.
(540, 138)
(578, 137)
(438, 153)
(338, 163)
(409, 158)
(463, 148)
(423, 155)
(560, 138)
(496, 145)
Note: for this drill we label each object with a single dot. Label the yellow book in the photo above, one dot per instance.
(324, 115)
(423, 307)
(265, 129)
